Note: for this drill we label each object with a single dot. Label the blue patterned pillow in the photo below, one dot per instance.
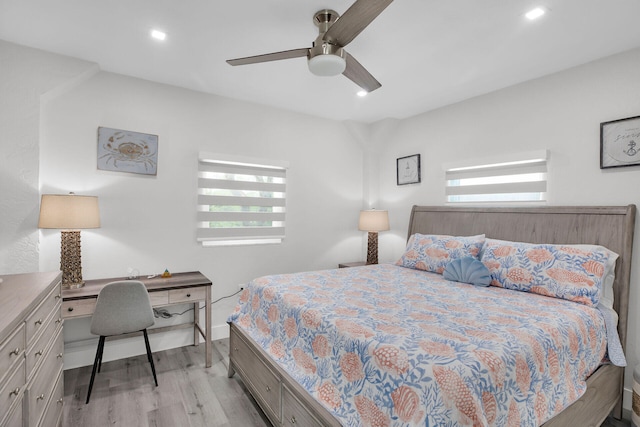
(433, 252)
(467, 270)
(572, 272)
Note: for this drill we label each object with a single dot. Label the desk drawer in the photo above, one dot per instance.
(187, 295)
(11, 351)
(12, 389)
(78, 307)
(159, 298)
(35, 321)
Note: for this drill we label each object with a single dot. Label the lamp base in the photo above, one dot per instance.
(372, 248)
(70, 259)
(72, 285)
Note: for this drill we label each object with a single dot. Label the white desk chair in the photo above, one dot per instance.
(122, 307)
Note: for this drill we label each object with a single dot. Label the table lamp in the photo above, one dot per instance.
(70, 213)
(373, 221)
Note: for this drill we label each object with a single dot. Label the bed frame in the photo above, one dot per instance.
(286, 403)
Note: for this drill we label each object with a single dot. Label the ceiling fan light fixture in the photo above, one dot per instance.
(327, 65)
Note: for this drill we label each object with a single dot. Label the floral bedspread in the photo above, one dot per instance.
(390, 346)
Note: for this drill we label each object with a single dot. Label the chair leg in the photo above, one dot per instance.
(95, 365)
(149, 356)
(101, 352)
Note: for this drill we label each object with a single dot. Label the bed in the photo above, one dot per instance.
(283, 392)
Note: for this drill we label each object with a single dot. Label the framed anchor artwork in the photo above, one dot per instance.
(620, 143)
(408, 169)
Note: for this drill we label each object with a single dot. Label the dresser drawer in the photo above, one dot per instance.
(294, 414)
(37, 352)
(35, 321)
(41, 388)
(11, 351)
(260, 380)
(53, 412)
(78, 308)
(15, 417)
(187, 295)
(11, 390)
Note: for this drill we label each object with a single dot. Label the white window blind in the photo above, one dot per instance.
(240, 200)
(508, 179)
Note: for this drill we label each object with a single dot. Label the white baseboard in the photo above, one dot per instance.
(82, 353)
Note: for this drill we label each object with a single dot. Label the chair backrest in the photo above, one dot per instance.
(122, 307)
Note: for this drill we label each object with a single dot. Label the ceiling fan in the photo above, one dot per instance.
(327, 56)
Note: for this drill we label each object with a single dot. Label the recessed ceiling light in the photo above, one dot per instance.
(362, 93)
(535, 13)
(158, 35)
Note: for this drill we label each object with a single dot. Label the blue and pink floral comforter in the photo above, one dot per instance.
(390, 346)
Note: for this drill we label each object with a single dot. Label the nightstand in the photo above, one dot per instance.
(351, 264)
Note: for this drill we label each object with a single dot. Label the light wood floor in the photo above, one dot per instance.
(188, 394)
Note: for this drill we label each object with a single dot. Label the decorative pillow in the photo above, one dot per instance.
(572, 272)
(434, 252)
(467, 270)
(609, 272)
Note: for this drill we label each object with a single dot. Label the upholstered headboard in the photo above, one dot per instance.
(609, 226)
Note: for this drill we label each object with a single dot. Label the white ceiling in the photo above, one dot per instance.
(426, 53)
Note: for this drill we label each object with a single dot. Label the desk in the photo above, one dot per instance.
(192, 287)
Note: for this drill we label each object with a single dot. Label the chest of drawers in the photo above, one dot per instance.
(31, 350)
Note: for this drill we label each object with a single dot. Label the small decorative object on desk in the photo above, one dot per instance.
(166, 274)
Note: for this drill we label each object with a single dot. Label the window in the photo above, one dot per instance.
(509, 179)
(241, 201)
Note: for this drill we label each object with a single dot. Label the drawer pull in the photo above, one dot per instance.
(59, 401)
(16, 391)
(293, 419)
(59, 320)
(235, 348)
(70, 309)
(188, 295)
(58, 296)
(41, 397)
(39, 353)
(15, 352)
(39, 322)
(268, 388)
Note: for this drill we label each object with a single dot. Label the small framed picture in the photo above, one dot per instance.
(620, 143)
(408, 169)
(126, 151)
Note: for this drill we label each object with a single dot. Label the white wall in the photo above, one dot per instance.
(25, 76)
(562, 113)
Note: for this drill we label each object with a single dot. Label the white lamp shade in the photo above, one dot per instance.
(69, 212)
(327, 65)
(373, 220)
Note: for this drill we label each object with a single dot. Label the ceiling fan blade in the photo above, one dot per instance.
(359, 75)
(354, 20)
(276, 56)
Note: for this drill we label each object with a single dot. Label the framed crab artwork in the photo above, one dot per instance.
(126, 151)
